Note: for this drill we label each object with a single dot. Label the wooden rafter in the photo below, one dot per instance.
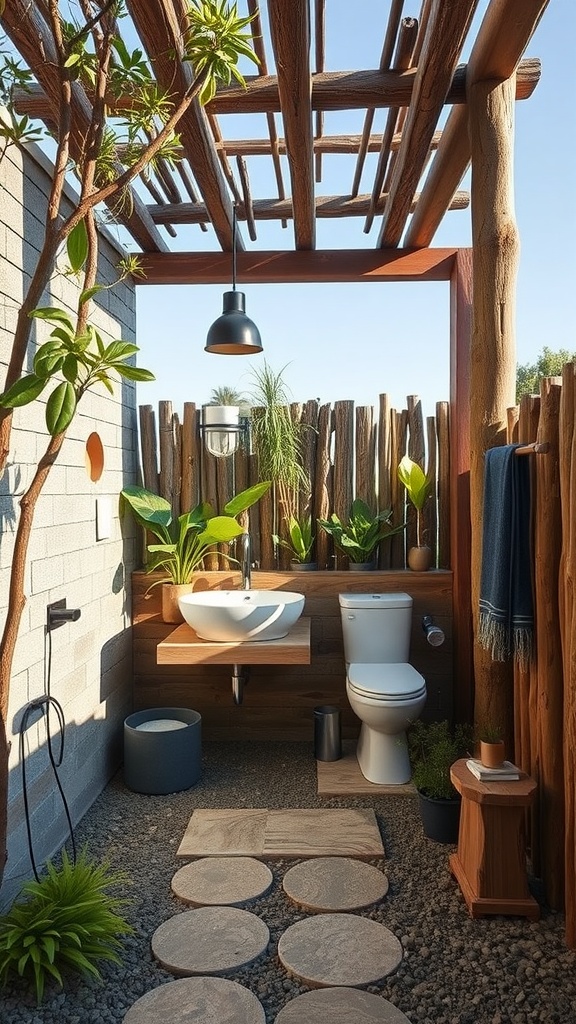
(503, 35)
(290, 31)
(446, 32)
(260, 52)
(320, 57)
(160, 24)
(303, 267)
(332, 90)
(281, 209)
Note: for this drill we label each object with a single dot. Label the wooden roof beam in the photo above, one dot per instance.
(281, 209)
(505, 32)
(332, 90)
(290, 31)
(303, 267)
(159, 24)
(32, 38)
(259, 50)
(385, 61)
(441, 48)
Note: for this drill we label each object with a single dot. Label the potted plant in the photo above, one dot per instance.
(433, 749)
(276, 440)
(359, 537)
(184, 542)
(492, 748)
(300, 543)
(418, 488)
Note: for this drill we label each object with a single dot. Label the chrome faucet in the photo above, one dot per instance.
(246, 560)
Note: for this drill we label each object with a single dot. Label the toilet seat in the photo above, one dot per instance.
(386, 681)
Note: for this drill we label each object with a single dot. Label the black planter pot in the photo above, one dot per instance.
(440, 818)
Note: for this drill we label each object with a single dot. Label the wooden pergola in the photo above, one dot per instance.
(442, 116)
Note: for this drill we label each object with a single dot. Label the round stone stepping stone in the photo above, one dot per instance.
(222, 881)
(197, 1001)
(335, 883)
(340, 1006)
(339, 949)
(210, 940)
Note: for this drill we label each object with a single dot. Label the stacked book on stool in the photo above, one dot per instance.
(505, 773)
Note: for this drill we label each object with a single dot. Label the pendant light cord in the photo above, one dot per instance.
(233, 247)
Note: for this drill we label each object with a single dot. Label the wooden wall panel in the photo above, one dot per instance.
(279, 699)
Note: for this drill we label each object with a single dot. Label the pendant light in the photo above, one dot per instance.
(233, 333)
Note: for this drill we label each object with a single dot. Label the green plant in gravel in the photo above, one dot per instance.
(67, 921)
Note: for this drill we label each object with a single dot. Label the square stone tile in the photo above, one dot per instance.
(236, 832)
(322, 833)
(344, 778)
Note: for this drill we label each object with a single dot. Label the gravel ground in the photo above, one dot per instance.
(454, 971)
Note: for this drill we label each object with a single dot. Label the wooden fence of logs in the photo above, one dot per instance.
(347, 452)
(545, 692)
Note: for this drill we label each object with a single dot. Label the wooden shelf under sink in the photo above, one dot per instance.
(183, 647)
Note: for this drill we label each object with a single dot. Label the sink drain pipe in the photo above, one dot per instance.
(240, 677)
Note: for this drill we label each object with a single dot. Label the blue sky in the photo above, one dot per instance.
(357, 341)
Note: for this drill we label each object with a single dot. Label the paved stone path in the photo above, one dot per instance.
(197, 1001)
(210, 940)
(222, 881)
(335, 883)
(339, 949)
(340, 1006)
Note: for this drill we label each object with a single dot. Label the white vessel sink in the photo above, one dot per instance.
(232, 616)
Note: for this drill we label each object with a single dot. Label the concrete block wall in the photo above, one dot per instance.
(91, 663)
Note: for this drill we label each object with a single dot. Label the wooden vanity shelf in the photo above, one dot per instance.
(183, 647)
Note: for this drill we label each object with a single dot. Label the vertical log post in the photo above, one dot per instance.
(431, 508)
(343, 465)
(384, 471)
(365, 455)
(493, 350)
(189, 496)
(148, 448)
(322, 498)
(547, 544)
(567, 455)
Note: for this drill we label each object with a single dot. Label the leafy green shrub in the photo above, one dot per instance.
(433, 748)
(66, 921)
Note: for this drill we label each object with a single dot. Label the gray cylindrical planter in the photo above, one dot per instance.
(162, 750)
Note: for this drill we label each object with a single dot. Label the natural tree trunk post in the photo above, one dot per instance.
(493, 348)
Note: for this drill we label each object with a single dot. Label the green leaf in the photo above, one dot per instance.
(72, 60)
(70, 368)
(152, 510)
(48, 359)
(53, 314)
(134, 372)
(77, 244)
(89, 293)
(60, 408)
(219, 530)
(240, 502)
(23, 391)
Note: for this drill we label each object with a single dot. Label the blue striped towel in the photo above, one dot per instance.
(506, 626)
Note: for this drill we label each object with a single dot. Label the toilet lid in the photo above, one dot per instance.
(395, 681)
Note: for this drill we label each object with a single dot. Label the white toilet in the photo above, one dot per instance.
(384, 691)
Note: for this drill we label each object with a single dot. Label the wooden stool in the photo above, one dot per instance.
(490, 863)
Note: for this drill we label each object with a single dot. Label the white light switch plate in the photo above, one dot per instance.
(103, 518)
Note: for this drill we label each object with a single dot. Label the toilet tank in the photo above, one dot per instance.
(376, 627)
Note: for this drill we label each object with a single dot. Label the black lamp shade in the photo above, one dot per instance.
(233, 333)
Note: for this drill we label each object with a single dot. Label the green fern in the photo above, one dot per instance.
(65, 922)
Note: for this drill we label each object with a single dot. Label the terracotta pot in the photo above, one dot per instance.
(420, 559)
(170, 594)
(492, 754)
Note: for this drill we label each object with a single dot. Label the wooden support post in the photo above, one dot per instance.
(493, 350)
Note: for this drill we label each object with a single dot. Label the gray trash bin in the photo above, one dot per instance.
(162, 750)
(327, 733)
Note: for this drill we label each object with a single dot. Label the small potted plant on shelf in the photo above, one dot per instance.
(433, 749)
(360, 535)
(300, 543)
(183, 542)
(418, 488)
(492, 748)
